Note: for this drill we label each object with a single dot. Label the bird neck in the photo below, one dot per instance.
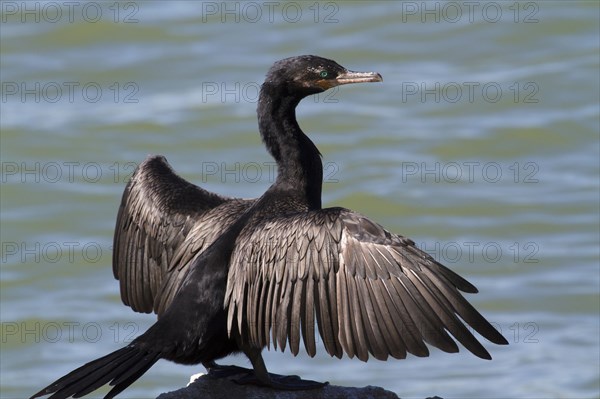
(299, 166)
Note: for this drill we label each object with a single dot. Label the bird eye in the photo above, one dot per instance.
(323, 74)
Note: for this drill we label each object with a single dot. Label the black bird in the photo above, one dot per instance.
(227, 275)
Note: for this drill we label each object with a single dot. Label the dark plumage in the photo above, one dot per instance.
(227, 275)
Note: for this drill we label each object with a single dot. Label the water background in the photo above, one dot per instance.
(482, 144)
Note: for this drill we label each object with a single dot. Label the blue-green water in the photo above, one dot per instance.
(482, 144)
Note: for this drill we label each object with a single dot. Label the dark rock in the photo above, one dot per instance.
(206, 387)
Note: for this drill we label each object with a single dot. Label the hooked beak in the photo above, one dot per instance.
(350, 77)
(357, 77)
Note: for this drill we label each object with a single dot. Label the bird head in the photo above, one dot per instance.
(310, 74)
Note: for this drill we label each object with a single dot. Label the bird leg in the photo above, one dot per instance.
(261, 377)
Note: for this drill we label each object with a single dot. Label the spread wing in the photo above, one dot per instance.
(369, 291)
(163, 222)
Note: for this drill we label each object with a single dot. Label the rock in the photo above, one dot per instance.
(206, 387)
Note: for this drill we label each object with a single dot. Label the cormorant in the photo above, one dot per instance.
(227, 275)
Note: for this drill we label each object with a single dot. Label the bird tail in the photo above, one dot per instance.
(120, 369)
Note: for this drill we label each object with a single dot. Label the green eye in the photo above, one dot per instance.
(323, 74)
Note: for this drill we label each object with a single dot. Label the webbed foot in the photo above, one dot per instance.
(219, 371)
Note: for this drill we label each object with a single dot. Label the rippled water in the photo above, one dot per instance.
(481, 144)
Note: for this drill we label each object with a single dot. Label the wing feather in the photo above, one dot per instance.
(308, 318)
(344, 317)
(395, 339)
(263, 299)
(296, 316)
(436, 315)
(371, 322)
(269, 312)
(334, 347)
(371, 292)
(347, 316)
(389, 345)
(408, 327)
(162, 224)
(283, 314)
